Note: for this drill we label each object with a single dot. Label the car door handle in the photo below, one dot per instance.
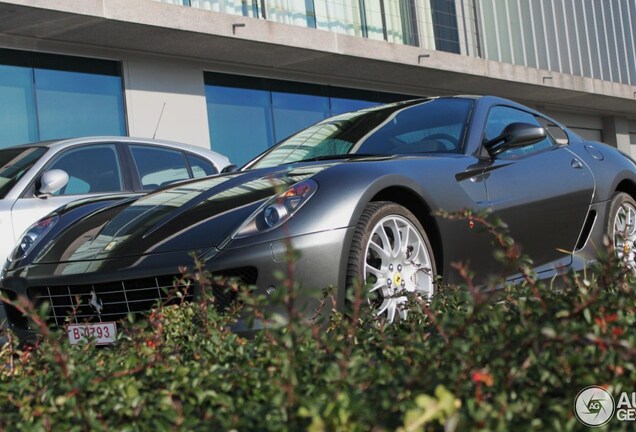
(576, 164)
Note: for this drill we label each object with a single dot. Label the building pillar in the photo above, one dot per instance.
(616, 133)
(165, 99)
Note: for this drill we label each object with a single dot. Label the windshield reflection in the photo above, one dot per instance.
(420, 126)
(14, 163)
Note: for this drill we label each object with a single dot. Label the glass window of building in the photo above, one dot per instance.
(431, 24)
(239, 116)
(343, 16)
(93, 102)
(562, 41)
(610, 36)
(579, 17)
(528, 36)
(247, 115)
(391, 20)
(444, 17)
(573, 41)
(44, 96)
(516, 37)
(375, 21)
(628, 13)
(489, 32)
(234, 7)
(343, 105)
(293, 111)
(17, 106)
(296, 12)
(424, 24)
(593, 38)
(579, 37)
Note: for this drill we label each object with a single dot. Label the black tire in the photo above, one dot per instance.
(373, 214)
(621, 242)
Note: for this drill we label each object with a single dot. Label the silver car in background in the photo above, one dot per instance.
(37, 178)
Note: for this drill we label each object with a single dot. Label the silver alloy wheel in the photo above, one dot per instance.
(397, 263)
(625, 234)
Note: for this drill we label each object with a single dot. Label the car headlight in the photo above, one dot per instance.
(32, 235)
(279, 209)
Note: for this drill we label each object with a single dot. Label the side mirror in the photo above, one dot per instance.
(52, 181)
(516, 135)
(229, 169)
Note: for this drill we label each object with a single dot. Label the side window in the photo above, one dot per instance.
(555, 131)
(158, 166)
(91, 169)
(501, 116)
(200, 167)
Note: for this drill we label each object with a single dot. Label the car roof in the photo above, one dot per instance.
(72, 142)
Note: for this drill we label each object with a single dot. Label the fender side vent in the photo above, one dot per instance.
(587, 230)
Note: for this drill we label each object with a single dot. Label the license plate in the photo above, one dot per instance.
(104, 333)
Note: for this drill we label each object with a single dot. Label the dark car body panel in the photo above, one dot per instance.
(554, 203)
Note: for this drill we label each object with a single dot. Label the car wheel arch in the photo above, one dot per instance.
(402, 191)
(413, 202)
(593, 234)
(627, 186)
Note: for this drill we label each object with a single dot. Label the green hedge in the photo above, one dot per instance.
(470, 361)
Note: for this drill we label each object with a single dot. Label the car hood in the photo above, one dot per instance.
(190, 216)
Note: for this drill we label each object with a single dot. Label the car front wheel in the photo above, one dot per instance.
(392, 256)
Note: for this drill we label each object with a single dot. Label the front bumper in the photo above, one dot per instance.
(320, 263)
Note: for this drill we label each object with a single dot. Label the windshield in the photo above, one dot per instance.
(14, 163)
(422, 126)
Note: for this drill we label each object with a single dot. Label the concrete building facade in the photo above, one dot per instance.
(238, 75)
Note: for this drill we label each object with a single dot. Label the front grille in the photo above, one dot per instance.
(246, 275)
(14, 316)
(112, 301)
(109, 301)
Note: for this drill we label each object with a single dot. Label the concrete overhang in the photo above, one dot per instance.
(147, 26)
